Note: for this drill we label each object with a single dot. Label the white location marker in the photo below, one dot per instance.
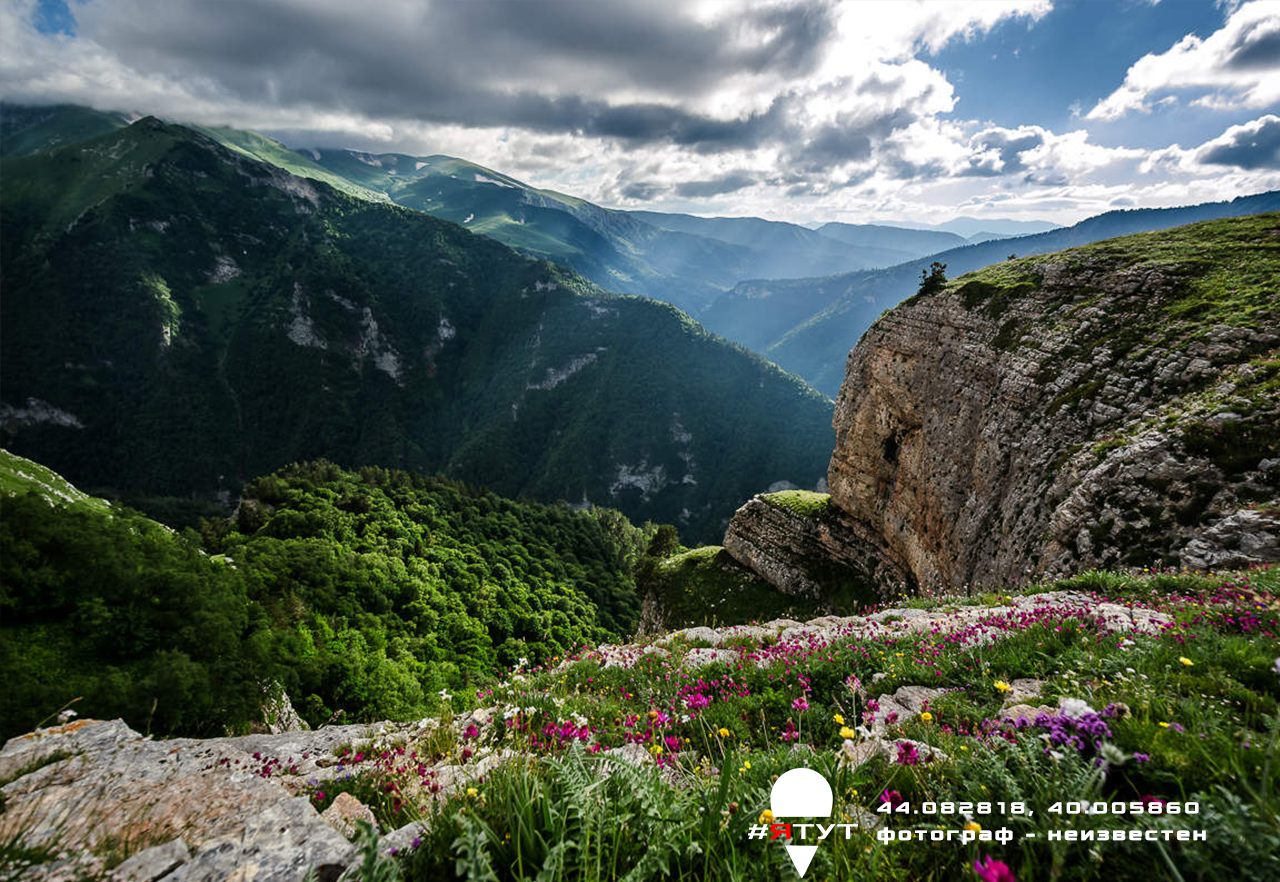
(801, 793)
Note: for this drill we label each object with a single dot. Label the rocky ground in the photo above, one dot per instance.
(106, 802)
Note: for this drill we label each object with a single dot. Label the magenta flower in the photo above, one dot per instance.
(893, 797)
(907, 754)
(993, 870)
(800, 704)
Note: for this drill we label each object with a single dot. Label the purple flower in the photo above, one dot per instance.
(800, 704)
(1141, 758)
(907, 754)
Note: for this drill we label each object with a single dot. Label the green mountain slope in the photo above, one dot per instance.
(30, 129)
(178, 318)
(809, 325)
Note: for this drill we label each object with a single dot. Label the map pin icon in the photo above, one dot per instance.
(801, 793)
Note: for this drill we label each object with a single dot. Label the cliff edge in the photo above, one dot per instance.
(1116, 404)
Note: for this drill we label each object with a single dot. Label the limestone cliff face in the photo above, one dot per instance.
(1111, 405)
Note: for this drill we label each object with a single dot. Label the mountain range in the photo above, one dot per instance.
(179, 317)
(808, 326)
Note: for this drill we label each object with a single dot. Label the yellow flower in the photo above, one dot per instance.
(747, 765)
(839, 720)
(656, 749)
(846, 732)
(1186, 661)
(1002, 686)
(927, 717)
(766, 817)
(1164, 725)
(898, 654)
(973, 827)
(724, 733)
(472, 792)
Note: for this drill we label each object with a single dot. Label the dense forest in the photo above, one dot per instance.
(363, 594)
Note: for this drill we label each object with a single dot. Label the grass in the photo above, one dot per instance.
(21, 475)
(805, 503)
(1190, 711)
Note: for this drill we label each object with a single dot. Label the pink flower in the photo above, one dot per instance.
(800, 704)
(993, 871)
(472, 732)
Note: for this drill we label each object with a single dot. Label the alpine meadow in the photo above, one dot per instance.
(547, 441)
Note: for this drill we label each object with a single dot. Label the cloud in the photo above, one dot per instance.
(799, 109)
(730, 183)
(999, 151)
(1237, 66)
(1254, 145)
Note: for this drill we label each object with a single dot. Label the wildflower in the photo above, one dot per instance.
(839, 720)
(1186, 661)
(723, 733)
(766, 817)
(800, 704)
(907, 754)
(1002, 687)
(472, 792)
(1141, 758)
(992, 870)
(973, 827)
(847, 733)
(927, 717)
(747, 764)
(1164, 725)
(892, 797)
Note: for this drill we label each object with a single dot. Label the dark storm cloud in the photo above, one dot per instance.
(476, 63)
(1252, 146)
(729, 183)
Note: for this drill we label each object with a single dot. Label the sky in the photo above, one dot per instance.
(804, 110)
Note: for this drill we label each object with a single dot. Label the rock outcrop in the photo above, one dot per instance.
(814, 552)
(1093, 408)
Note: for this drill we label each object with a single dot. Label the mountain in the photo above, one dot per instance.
(911, 243)
(967, 227)
(26, 130)
(809, 325)
(178, 318)
(781, 250)
(1113, 405)
(610, 248)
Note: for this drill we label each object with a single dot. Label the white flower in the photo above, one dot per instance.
(68, 715)
(1075, 708)
(444, 694)
(1278, 666)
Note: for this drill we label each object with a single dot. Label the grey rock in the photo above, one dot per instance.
(402, 839)
(151, 864)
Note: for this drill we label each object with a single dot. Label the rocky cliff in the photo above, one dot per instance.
(1111, 405)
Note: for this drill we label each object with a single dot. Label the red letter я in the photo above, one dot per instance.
(780, 831)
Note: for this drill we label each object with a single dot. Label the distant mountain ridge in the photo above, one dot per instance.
(809, 325)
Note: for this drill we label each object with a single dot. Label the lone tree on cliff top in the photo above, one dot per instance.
(933, 279)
